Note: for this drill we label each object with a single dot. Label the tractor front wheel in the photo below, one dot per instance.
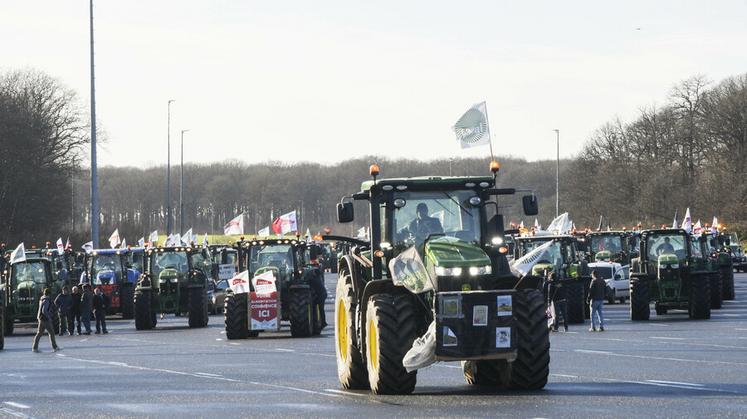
(727, 283)
(127, 305)
(532, 365)
(301, 313)
(391, 328)
(144, 314)
(700, 298)
(640, 308)
(236, 315)
(351, 370)
(198, 307)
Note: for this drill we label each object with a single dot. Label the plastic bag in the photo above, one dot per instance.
(423, 351)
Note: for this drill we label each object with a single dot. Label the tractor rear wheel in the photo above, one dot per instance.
(351, 370)
(126, 295)
(301, 313)
(727, 283)
(391, 328)
(236, 315)
(700, 298)
(640, 308)
(144, 314)
(575, 308)
(198, 307)
(715, 285)
(493, 373)
(532, 365)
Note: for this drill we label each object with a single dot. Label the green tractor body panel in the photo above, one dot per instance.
(170, 273)
(540, 269)
(443, 251)
(23, 284)
(603, 256)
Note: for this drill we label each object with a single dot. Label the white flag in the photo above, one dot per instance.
(537, 225)
(18, 255)
(141, 242)
(239, 284)
(235, 226)
(687, 223)
(114, 239)
(153, 238)
(697, 228)
(67, 243)
(88, 247)
(714, 225)
(472, 128)
(523, 265)
(288, 223)
(124, 244)
(308, 236)
(60, 246)
(560, 225)
(187, 238)
(205, 241)
(265, 232)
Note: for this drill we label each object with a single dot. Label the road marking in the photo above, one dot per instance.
(564, 375)
(665, 337)
(737, 328)
(588, 351)
(18, 405)
(658, 324)
(347, 393)
(285, 350)
(14, 413)
(675, 382)
(302, 390)
(218, 339)
(660, 358)
(233, 343)
(207, 374)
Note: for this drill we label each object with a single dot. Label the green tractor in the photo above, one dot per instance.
(175, 281)
(609, 246)
(665, 273)
(479, 312)
(276, 286)
(22, 287)
(722, 242)
(705, 257)
(571, 269)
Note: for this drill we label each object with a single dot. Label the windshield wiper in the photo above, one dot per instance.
(456, 202)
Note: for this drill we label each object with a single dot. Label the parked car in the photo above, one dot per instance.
(617, 278)
(216, 295)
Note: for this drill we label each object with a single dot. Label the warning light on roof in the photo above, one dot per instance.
(495, 166)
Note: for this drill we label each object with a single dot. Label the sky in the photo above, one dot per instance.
(326, 81)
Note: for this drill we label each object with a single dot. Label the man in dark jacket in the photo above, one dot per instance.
(597, 293)
(64, 303)
(44, 315)
(75, 309)
(86, 307)
(100, 306)
(557, 295)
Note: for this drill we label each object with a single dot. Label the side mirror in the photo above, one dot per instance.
(531, 206)
(345, 212)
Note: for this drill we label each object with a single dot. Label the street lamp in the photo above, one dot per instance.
(181, 186)
(557, 174)
(168, 171)
(95, 211)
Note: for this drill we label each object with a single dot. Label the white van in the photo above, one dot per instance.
(617, 278)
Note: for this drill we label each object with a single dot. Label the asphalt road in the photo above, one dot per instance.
(667, 367)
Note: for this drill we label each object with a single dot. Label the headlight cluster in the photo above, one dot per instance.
(174, 280)
(473, 271)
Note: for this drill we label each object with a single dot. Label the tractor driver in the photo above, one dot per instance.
(665, 248)
(423, 225)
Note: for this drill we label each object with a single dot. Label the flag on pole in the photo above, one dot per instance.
(153, 238)
(561, 224)
(714, 225)
(472, 128)
(187, 237)
(18, 255)
(60, 246)
(522, 266)
(235, 226)
(124, 244)
(141, 242)
(674, 222)
(205, 241)
(697, 228)
(687, 222)
(87, 247)
(67, 243)
(114, 239)
(265, 232)
(537, 226)
(288, 223)
(277, 226)
(601, 219)
(308, 236)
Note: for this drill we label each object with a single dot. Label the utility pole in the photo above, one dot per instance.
(168, 170)
(557, 174)
(181, 186)
(95, 218)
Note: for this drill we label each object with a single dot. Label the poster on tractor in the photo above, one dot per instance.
(263, 303)
(226, 271)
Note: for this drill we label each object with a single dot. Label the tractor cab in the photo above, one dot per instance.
(136, 258)
(224, 261)
(22, 286)
(609, 246)
(285, 258)
(109, 269)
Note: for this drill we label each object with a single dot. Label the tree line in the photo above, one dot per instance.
(688, 152)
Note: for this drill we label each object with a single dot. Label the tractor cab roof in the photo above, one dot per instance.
(160, 249)
(430, 183)
(545, 238)
(271, 242)
(102, 252)
(607, 233)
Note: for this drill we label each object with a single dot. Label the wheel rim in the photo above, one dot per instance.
(373, 349)
(341, 326)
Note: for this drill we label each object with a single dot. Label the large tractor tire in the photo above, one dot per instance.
(126, 301)
(8, 325)
(493, 373)
(351, 370)
(391, 328)
(532, 365)
(640, 308)
(236, 315)
(144, 315)
(700, 298)
(316, 316)
(198, 307)
(715, 286)
(575, 299)
(301, 306)
(727, 283)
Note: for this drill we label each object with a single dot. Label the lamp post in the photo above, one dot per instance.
(557, 173)
(168, 170)
(181, 185)
(95, 217)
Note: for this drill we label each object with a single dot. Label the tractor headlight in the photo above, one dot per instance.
(480, 270)
(441, 271)
(497, 240)
(174, 280)
(161, 281)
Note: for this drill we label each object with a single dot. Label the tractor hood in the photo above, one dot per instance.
(451, 252)
(169, 275)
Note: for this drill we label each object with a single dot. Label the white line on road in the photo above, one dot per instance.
(13, 413)
(564, 375)
(285, 350)
(18, 405)
(661, 358)
(658, 324)
(589, 351)
(676, 383)
(347, 393)
(207, 374)
(665, 338)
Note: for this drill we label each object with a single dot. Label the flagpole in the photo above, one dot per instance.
(490, 137)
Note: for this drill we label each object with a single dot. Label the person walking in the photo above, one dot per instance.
(44, 315)
(100, 306)
(64, 304)
(75, 309)
(557, 292)
(86, 307)
(597, 292)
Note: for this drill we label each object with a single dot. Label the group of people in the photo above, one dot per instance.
(557, 297)
(75, 311)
